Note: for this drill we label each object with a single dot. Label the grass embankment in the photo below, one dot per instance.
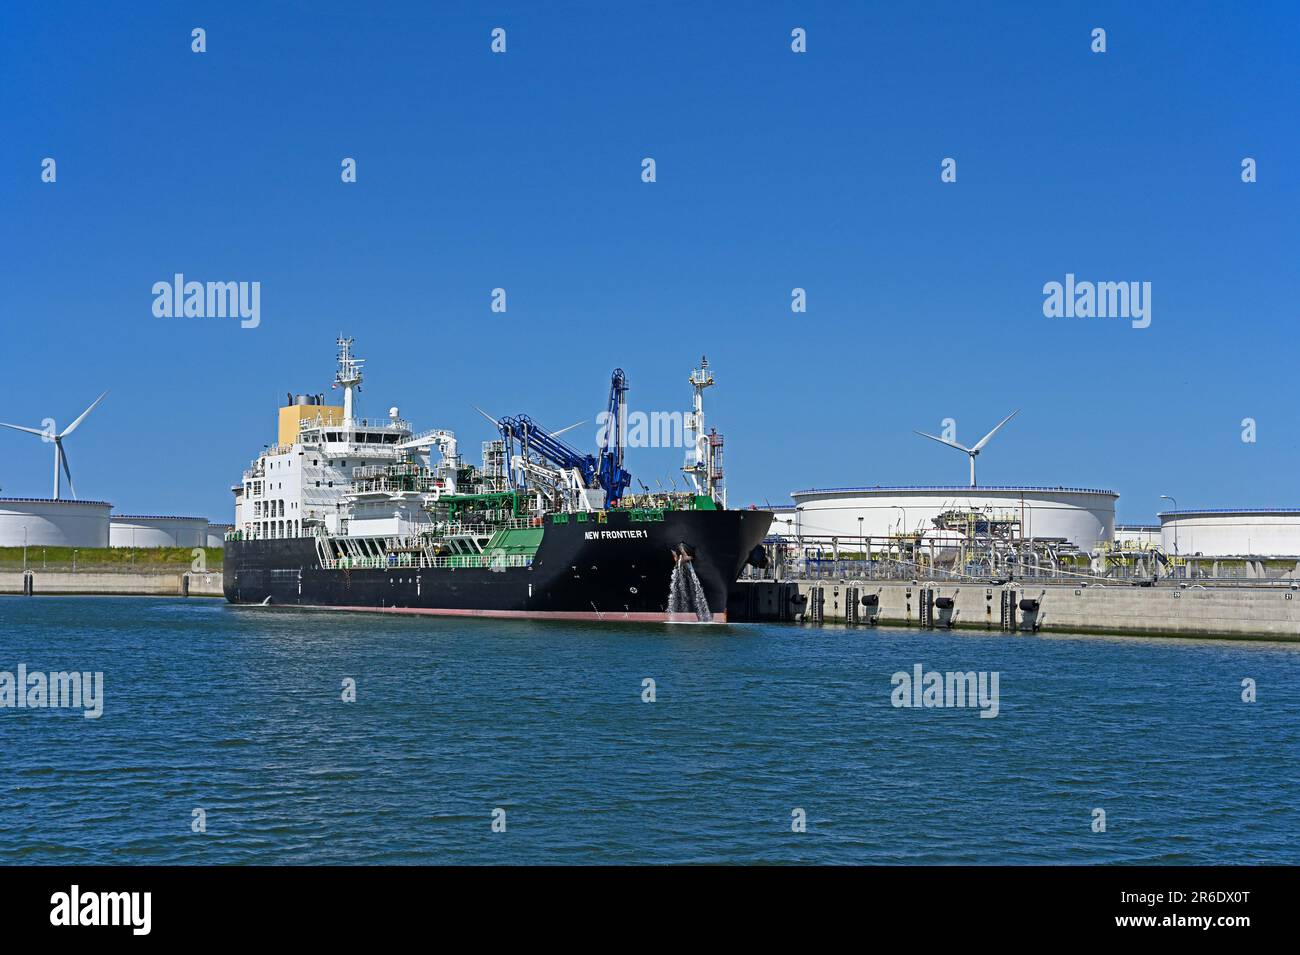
(117, 559)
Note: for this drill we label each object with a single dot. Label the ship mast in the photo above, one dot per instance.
(704, 457)
(348, 377)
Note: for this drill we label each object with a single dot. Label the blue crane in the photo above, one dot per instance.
(609, 467)
(606, 472)
(532, 437)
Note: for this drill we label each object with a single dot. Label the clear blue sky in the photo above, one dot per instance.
(775, 170)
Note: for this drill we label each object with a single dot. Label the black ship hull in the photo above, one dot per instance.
(613, 569)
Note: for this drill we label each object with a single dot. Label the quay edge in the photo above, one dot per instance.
(1257, 613)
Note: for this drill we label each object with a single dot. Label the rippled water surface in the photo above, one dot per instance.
(237, 711)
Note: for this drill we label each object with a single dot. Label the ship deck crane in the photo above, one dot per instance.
(609, 466)
(605, 472)
(533, 438)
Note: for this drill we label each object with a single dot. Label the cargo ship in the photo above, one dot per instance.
(360, 514)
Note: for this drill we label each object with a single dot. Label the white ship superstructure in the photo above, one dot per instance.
(328, 470)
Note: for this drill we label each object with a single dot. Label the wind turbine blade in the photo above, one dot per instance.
(985, 440)
(951, 444)
(67, 471)
(495, 422)
(73, 427)
(570, 427)
(18, 427)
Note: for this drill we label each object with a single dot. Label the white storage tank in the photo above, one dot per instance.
(785, 521)
(217, 534)
(131, 530)
(1232, 532)
(1083, 516)
(42, 522)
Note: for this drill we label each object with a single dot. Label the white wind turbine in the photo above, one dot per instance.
(972, 452)
(497, 424)
(60, 456)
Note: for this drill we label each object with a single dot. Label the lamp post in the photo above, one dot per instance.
(24, 547)
(862, 543)
(1166, 497)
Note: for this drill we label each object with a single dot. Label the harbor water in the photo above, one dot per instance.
(232, 721)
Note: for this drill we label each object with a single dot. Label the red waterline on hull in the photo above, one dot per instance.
(612, 617)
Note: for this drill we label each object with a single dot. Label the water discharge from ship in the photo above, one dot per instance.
(685, 594)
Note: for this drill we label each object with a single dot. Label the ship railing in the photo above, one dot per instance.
(397, 469)
(457, 529)
(484, 530)
(467, 530)
(381, 424)
(388, 485)
(408, 561)
(369, 424)
(463, 530)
